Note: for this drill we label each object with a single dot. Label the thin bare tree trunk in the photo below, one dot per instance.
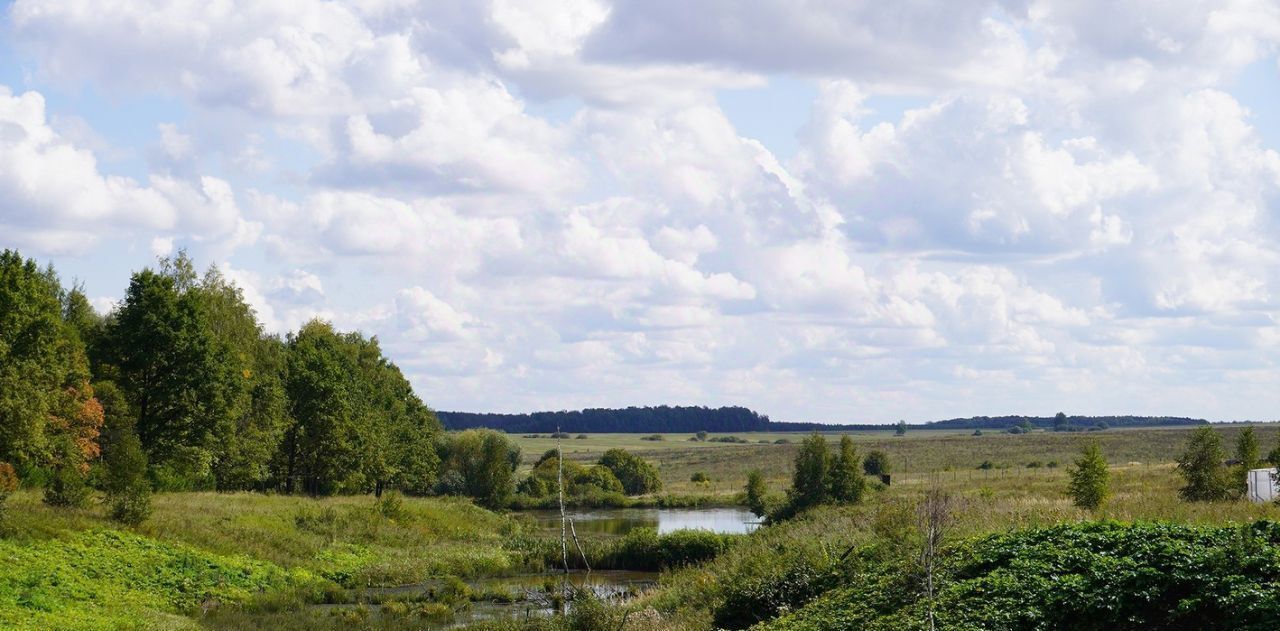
(934, 516)
(564, 543)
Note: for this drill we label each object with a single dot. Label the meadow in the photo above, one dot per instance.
(248, 560)
(950, 454)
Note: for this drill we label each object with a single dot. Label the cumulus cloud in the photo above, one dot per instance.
(546, 200)
(54, 197)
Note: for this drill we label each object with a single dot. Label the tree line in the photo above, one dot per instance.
(181, 383)
(662, 418)
(689, 419)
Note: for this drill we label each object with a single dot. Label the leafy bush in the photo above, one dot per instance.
(653, 437)
(128, 491)
(876, 463)
(699, 477)
(645, 549)
(638, 477)
(1092, 576)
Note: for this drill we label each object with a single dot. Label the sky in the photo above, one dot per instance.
(854, 211)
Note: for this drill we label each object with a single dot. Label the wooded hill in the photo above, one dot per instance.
(684, 419)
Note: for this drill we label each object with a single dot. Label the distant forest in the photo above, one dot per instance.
(683, 419)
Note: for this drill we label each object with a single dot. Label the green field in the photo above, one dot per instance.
(246, 560)
(946, 452)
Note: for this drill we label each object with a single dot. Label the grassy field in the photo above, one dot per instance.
(917, 453)
(256, 561)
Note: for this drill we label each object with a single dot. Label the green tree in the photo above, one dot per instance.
(44, 372)
(876, 463)
(638, 477)
(320, 451)
(845, 480)
(485, 461)
(1202, 469)
(172, 370)
(247, 375)
(809, 483)
(756, 492)
(1249, 453)
(1089, 479)
(127, 488)
(900, 429)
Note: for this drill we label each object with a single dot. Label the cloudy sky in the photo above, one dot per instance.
(851, 211)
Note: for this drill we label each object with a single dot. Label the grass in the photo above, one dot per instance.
(342, 538)
(918, 452)
(255, 560)
(105, 579)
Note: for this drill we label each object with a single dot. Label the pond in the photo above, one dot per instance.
(519, 596)
(620, 521)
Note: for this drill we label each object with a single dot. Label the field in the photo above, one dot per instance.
(246, 561)
(914, 456)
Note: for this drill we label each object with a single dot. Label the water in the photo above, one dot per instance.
(525, 595)
(620, 521)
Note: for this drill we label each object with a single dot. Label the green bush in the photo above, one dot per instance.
(645, 549)
(1092, 576)
(128, 491)
(638, 477)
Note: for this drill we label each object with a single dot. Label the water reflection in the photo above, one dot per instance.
(620, 521)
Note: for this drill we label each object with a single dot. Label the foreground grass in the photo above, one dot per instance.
(105, 579)
(344, 539)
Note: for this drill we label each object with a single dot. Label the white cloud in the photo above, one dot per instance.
(996, 205)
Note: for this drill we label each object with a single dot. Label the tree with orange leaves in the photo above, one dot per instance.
(48, 415)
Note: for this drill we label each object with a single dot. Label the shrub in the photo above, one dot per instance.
(1089, 478)
(581, 437)
(645, 549)
(699, 477)
(67, 488)
(876, 463)
(1157, 576)
(653, 437)
(128, 491)
(986, 465)
(755, 493)
(845, 481)
(637, 476)
(391, 506)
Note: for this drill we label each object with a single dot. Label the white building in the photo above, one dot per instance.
(1262, 485)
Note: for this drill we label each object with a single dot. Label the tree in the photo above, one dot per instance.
(755, 493)
(67, 486)
(44, 372)
(1201, 467)
(876, 463)
(128, 490)
(1089, 479)
(845, 481)
(484, 460)
(638, 477)
(1248, 452)
(172, 370)
(1061, 423)
(900, 429)
(702, 435)
(809, 485)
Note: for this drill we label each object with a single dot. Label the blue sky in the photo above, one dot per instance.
(847, 212)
